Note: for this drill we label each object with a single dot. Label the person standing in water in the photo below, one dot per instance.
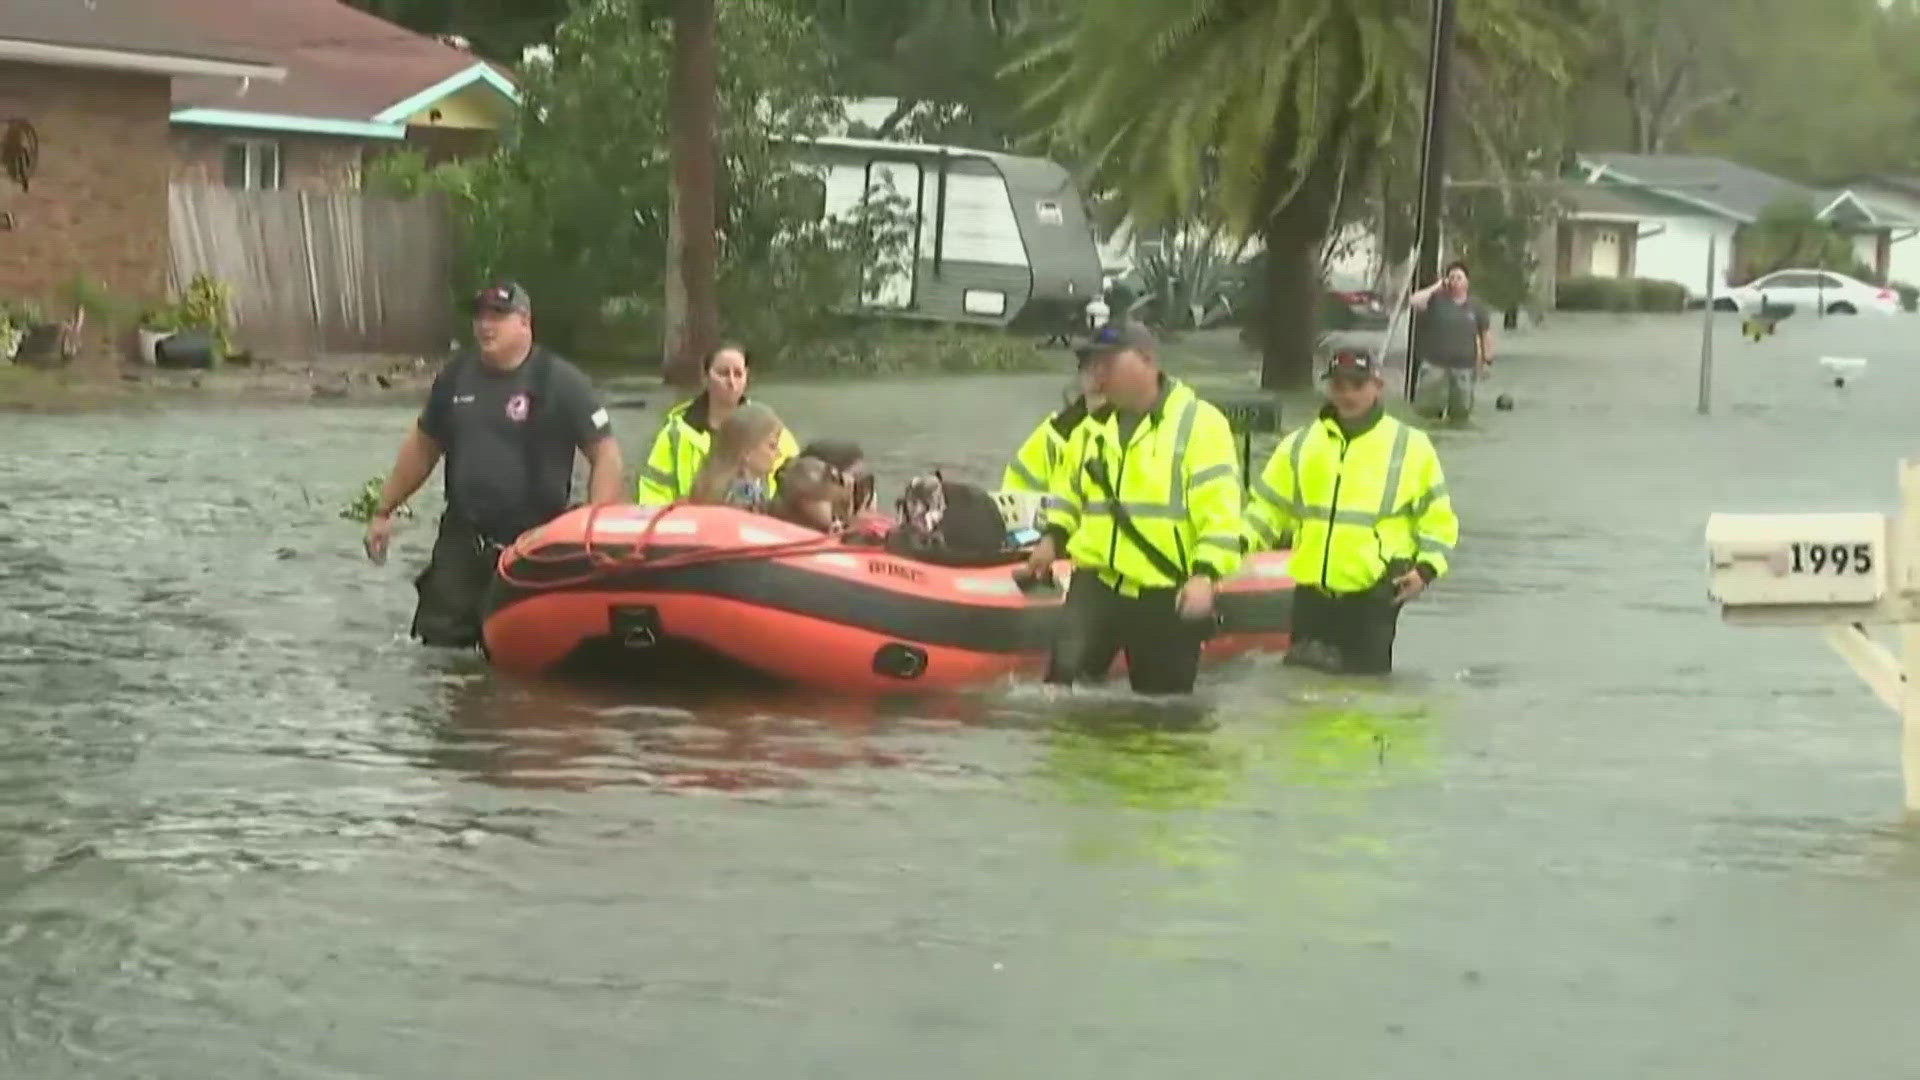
(507, 418)
(1365, 502)
(1452, 342)
(686, 435)
(1146, 506)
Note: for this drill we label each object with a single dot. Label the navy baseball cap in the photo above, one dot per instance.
(1114, 338)
(503, 297)
(1353, 363)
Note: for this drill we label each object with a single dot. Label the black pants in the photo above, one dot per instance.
(1097, 624)
(453, 587)
(1344, 632)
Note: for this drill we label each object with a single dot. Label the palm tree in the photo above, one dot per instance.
(1270, 108)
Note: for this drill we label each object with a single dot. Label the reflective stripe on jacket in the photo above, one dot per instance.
(1178, 478)
(1353, 505)
(1033, 466)
(679, 450)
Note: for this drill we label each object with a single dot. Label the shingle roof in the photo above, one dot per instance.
(125, 26)
(342, 63)
(1713, 183)
(1618, 200)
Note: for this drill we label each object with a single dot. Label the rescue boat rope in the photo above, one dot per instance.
(601, 561)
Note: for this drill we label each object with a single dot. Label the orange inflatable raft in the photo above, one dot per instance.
(677, 593)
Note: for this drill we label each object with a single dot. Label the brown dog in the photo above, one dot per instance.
(814, 494)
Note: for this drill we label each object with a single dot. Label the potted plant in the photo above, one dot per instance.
(156, 324)
(11, 332)
(206, 306)
(39, 344)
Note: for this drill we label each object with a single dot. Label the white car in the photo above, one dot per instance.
(1809, 292)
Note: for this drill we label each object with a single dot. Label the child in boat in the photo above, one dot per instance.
(738, 471)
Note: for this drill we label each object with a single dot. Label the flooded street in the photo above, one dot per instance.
(1587, 831)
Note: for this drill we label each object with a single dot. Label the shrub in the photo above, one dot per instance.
(1651, 294)
(1909, 295)
(878, 349)
(1592, 294)
(1587, 293)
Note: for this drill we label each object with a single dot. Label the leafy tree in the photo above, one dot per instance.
(1290, 103)
(1822, 94)
(1790, 235)
(577, 205)
(939, 58)
(498, 29)
(1669, 60)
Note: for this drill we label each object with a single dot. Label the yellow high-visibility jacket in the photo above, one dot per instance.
(1178, 479)
(1354, 504)
(1033, 465)
(679, 450)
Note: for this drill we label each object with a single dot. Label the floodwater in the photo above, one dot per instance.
(1587, 830)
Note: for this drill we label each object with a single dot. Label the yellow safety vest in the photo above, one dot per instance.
(1032, 467)
(679, 450)
(1353, 505)
(1178, 479)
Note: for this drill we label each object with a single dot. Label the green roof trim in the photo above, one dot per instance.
(479, 73)
(303, 125)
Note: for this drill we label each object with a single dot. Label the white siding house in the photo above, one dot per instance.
(1678, 203)
(1676, 249)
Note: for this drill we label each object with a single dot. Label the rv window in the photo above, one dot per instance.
(1049, 212)
(984, 302)
(806, 194)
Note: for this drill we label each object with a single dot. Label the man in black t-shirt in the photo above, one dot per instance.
(507, 417)
(1452, 342)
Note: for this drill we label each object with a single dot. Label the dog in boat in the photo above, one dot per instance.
(812, 493)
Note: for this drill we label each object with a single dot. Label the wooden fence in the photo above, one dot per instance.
(320, 272)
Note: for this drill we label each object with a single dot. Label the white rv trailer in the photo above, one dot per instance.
(1002, 240)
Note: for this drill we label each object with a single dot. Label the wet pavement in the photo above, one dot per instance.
(1587, 831)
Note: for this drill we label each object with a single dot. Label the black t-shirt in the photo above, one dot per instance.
(493, 425)
(1450, 331)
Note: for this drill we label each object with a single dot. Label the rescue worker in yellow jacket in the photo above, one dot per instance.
(687, 432)
(1146, 506)
(1032, 467)
(1365, 503)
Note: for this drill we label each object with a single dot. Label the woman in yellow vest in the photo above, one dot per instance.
(1146, 505)
(687, 433)
(1033, 465)
(1364, 499)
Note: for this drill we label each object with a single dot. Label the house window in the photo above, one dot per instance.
(252, 165)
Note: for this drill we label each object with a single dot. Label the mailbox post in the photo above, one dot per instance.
(1840, 572)
(1249, 414)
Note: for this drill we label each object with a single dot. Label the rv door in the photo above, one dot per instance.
(892, 286)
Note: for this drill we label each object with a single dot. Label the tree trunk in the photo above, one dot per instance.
(1291, 328)
(692, 315)
(1295, 236)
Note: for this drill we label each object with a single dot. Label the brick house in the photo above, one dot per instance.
(357, 86)
(85, 92)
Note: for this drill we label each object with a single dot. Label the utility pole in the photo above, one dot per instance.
(1433, 171)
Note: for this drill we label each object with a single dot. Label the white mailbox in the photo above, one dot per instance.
(1797, 559)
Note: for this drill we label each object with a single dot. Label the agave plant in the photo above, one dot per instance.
(1188, 279)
